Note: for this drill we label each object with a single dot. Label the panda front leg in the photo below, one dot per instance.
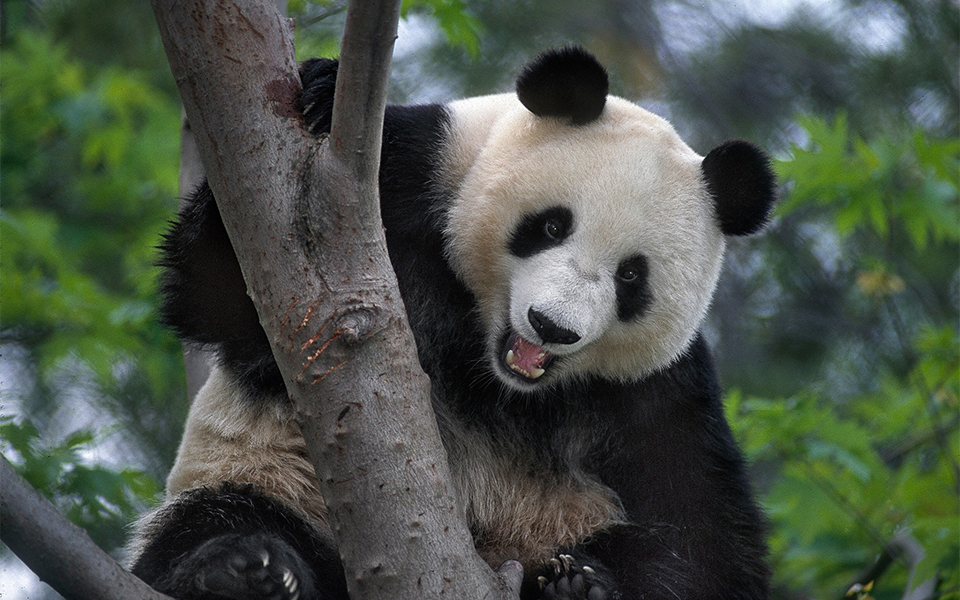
(235, 543)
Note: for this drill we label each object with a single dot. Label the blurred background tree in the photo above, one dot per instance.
(836, 332)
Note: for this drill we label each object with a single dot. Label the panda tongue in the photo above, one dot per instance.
(526, 358)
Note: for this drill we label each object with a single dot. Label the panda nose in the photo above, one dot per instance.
(549, 331)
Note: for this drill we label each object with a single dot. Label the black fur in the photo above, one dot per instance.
(217, 313)
(535, 233)
(633, 287)
(213, 542)
(696, 533)
(743, 186)
(661, 444)
(316, 100)
(568, 82)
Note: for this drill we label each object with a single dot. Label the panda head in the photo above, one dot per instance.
(591, 235)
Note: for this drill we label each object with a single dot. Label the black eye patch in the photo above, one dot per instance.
(633, 290)
(539, 231)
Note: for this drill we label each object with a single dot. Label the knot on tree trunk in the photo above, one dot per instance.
(359, 323)
(350, 325)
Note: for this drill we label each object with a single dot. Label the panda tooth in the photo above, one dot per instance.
(510, 357)
(536, 372)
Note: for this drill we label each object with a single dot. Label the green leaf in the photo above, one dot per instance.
(459, 26)
(909, 183)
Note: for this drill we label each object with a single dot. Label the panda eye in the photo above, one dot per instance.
(628, 274)
(539, 231)
(633, 270)
(633, 287)
(553, 229)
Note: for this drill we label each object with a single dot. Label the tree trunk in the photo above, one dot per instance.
(315, 262)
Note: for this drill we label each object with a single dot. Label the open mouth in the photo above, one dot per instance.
(524, 358)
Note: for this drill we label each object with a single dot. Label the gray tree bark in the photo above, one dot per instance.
(61, 554)
(314, 259)
(196, 361)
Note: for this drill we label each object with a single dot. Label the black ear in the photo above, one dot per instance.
(742, 184)
(566, 82)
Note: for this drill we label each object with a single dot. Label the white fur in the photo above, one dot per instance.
(516, 508)
(225, 440)
(634, 187)
(230, 438)
(574, 295)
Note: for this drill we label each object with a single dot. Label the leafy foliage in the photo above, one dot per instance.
(856, 470)
(88, 176)
(460, 28)
(911, 183)
(101, 500)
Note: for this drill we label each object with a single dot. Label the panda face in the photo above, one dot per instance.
(592, 249)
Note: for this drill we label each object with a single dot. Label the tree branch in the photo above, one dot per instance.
(303, 217)
(59, 552)
(361, 97)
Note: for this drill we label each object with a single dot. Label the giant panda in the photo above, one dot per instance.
(557, 249)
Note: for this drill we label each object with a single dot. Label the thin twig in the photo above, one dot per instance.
(324, 15)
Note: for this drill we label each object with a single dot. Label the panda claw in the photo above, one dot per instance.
(557, 565)
(565, 579)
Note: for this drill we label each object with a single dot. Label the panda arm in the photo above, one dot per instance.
(204, 294)
(694, 530)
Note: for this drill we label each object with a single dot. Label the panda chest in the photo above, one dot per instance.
(518, 511)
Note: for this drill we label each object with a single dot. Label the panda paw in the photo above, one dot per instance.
(319, 78)
(571, 581)
(251, 567)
